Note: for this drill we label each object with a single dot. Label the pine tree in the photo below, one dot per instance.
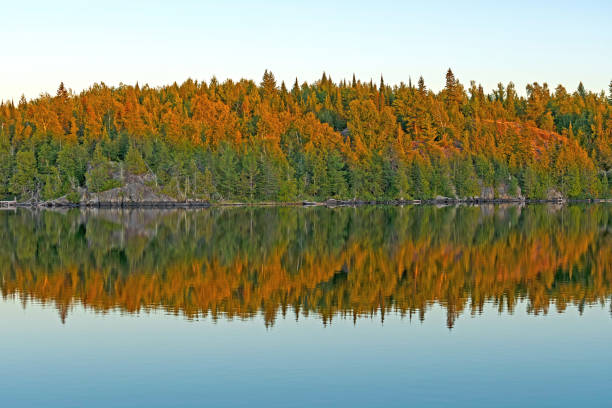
(288, 190)
(61, 91)
(25, 179)
(381, 94)
(268, 83)
(267, 180)
(338, 187)
(53, 185)
(319, 186)
(134, 162)
(581, 91)
(420, 182)
(99, 176)
(6, 165)
(248, 176)
(465, 178)
(605, 186)
(450, 89)
(208, 187)
(295, 91)
(421, 86)
(227, 172)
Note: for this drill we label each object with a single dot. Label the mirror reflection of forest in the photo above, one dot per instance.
(330, 262)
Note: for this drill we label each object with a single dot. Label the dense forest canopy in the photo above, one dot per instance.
(243, 141)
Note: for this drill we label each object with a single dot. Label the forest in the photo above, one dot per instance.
(353, 140)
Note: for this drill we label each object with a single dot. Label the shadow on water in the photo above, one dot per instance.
(350, 262)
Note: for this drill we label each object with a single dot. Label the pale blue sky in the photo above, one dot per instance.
(159, 42)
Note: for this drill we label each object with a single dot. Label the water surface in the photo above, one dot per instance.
(369, 306)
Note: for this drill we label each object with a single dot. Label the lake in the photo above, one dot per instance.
(473, 306)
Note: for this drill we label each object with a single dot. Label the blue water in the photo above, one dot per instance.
(158, 360)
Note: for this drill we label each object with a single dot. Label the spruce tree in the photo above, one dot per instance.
(25, 179)
(99, 177)
(6, 166)
(53, 185)
(421, 86)
(134, 162)
(268, 83)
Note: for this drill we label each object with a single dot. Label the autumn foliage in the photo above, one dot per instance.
(351, 140)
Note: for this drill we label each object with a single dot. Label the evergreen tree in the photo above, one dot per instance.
(61, 91)
(465, 179)
(421, 86)
(268, 83)
(420, 181)
(248, 176)
(319, 186)
(338, 187)
(134, 162)
(6, 165)
(53, 185)
(288, 190)
(25, 179)
(227, 172)
(72, 165)
(581, 91)
(99, 176)
(573, 187)
(209, 192)
(267, 180)
(450, 88)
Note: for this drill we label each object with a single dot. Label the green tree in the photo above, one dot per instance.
(248, 176)
(99, 176)
(6, 166)
(72, 165)
(134, 162)
(208, 189)
(338, 187)
(420, 181)
(288, 190)
(227, 172)
(24, 182)
(53, 185)
(268, 181)
(466, 180)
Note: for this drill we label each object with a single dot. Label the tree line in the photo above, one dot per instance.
(244, 141)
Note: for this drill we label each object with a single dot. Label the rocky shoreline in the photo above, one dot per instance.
(61, 203)
(140, 192)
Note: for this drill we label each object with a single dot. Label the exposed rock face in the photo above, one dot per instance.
(137, 189)
(487, 193)
(503, 194)
(442, 198)
(554, 195)
(60, 202)
(129, 193)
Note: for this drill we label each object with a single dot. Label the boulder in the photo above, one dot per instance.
(554, 195)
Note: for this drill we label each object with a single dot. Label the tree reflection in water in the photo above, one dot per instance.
(349, 262)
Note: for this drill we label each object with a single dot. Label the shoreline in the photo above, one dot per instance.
(327, 203)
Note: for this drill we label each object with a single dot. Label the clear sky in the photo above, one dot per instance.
(159, 42)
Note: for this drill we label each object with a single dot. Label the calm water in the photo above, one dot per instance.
(280, 307)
